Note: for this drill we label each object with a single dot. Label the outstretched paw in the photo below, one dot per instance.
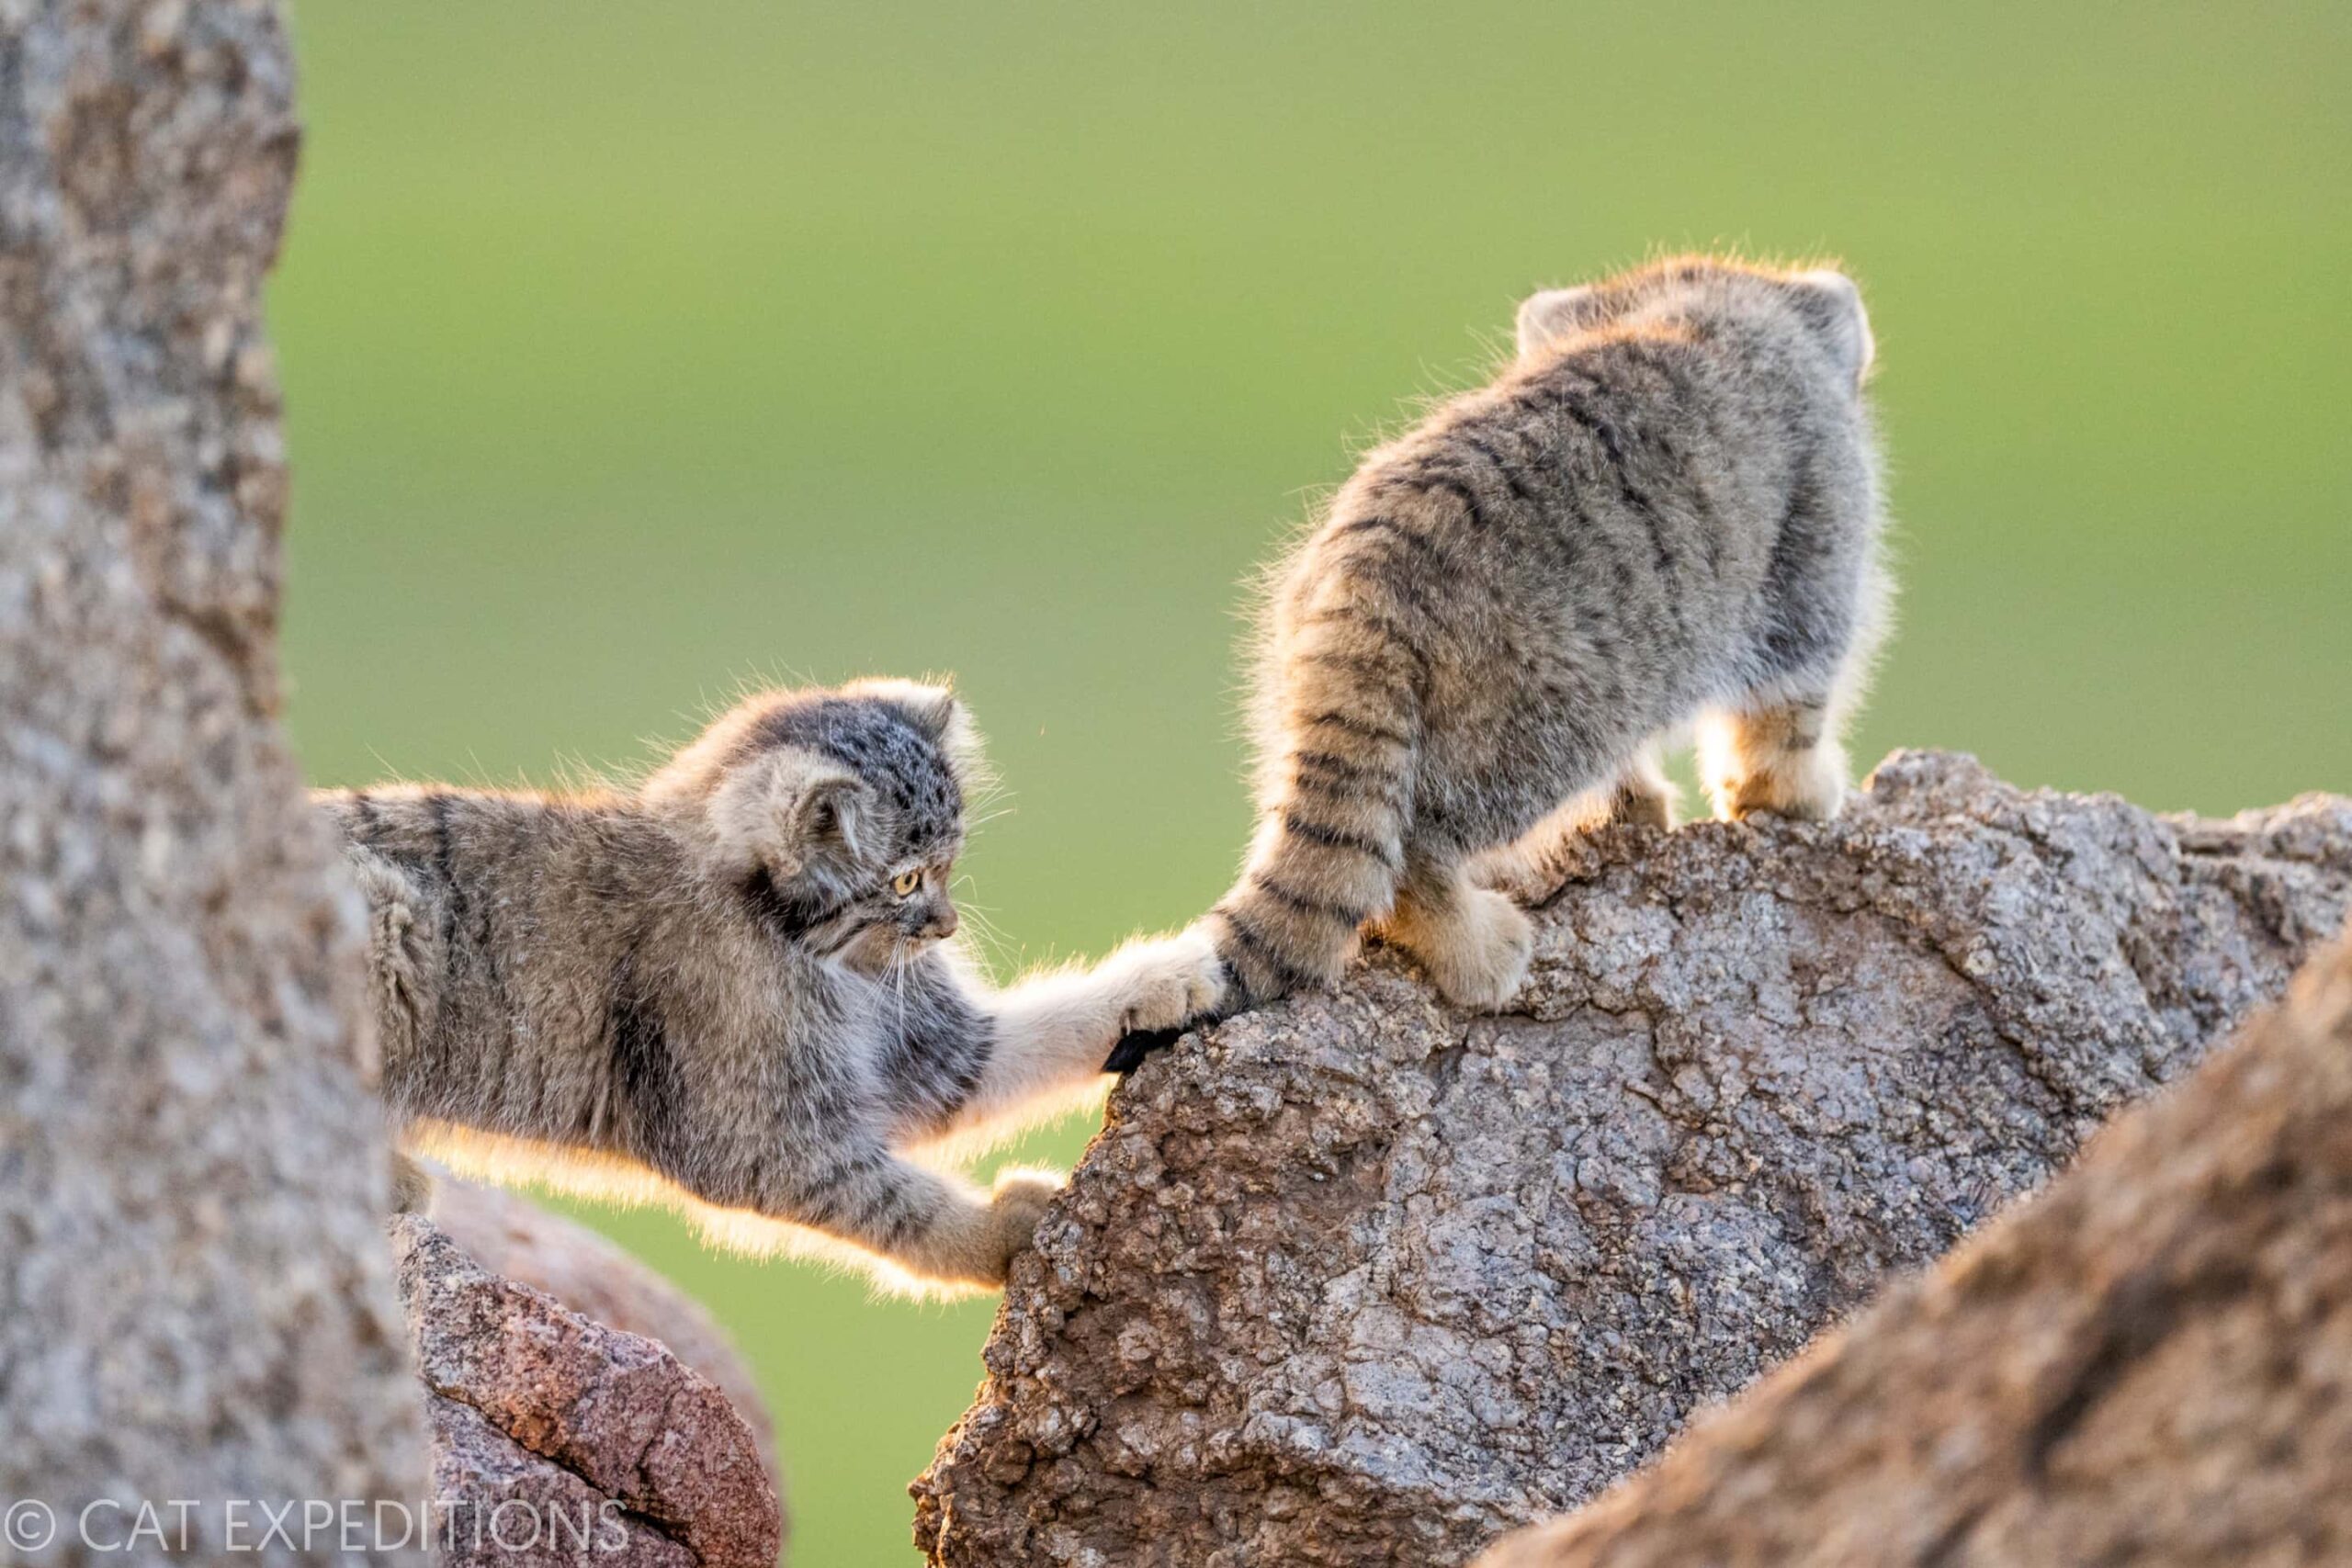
(1017, 1202)
(1168, 982)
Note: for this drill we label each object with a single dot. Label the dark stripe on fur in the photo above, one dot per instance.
(791, 918)
(905, 1222)
(1305, 904)
(1612, 443)
(1337, 838)
(642, 1063)
(1340, 770)
(1426, 551)
(1364, 666)
(1446, 484)
(1261, 952)
(1505, 469)
(1400, 637)
(1387, 796)
(445, 866)
(1358, 727)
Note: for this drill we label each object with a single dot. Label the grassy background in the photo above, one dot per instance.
(634, 350)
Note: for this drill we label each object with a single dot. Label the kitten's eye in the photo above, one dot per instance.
(905, 883)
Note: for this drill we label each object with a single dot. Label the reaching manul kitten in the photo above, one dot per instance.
(1666, 510)
(732, 989)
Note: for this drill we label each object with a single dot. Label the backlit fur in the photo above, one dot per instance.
(1665, 511)
(709, 991)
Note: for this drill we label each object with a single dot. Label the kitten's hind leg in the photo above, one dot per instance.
(1530, 868)
(1474, 943)
(1781, 755)
(413, 1186)
(1643, 798)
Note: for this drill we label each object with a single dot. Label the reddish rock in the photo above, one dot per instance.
(602, 1413)
(513, 1237)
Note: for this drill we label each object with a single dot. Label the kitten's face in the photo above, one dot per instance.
(915, 912)
(844, 813)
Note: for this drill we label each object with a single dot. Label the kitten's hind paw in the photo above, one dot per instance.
(1129, 1053)
(1475, 944)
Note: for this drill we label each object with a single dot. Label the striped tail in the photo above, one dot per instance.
(1331, 850)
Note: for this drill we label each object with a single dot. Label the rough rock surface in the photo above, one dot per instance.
(629, 1455)
(195, 1297)
(510, 1237)
(2147, 1364)
(1361, 1280)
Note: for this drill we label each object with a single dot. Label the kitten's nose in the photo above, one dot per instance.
(943, 924)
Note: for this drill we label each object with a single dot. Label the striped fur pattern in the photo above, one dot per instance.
(1665, 511)
(733, 988)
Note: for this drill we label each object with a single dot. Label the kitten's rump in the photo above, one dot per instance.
(1666, 511)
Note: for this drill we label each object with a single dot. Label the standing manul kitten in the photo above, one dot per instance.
(731, 989)
(1666, 510)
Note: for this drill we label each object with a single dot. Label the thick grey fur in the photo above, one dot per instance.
(1665, 511)
(731, 989)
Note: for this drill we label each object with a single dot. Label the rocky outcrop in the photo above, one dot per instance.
(195, 1298)
(557, 1440)
(510, 1237)
(2147, 1364)
(1361, 1280)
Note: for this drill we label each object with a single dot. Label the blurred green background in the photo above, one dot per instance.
(631, 351)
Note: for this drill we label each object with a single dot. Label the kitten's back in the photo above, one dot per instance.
(1667, 507)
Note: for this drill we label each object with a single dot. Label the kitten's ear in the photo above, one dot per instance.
(1832, 305)
(1545, 318)
(782, 807)
(818, 804)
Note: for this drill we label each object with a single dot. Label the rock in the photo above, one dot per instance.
(2146, 1364)
(510, 1237)
(196, 1301)
(624, 1454)
(1361, 1280)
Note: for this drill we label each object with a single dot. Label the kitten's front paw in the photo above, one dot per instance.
(1015, 1205)
(1169, 983)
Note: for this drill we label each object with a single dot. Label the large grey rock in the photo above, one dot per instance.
(195, 1296)
(1361, 1280)
(592, 1446)
(2146, 1365)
